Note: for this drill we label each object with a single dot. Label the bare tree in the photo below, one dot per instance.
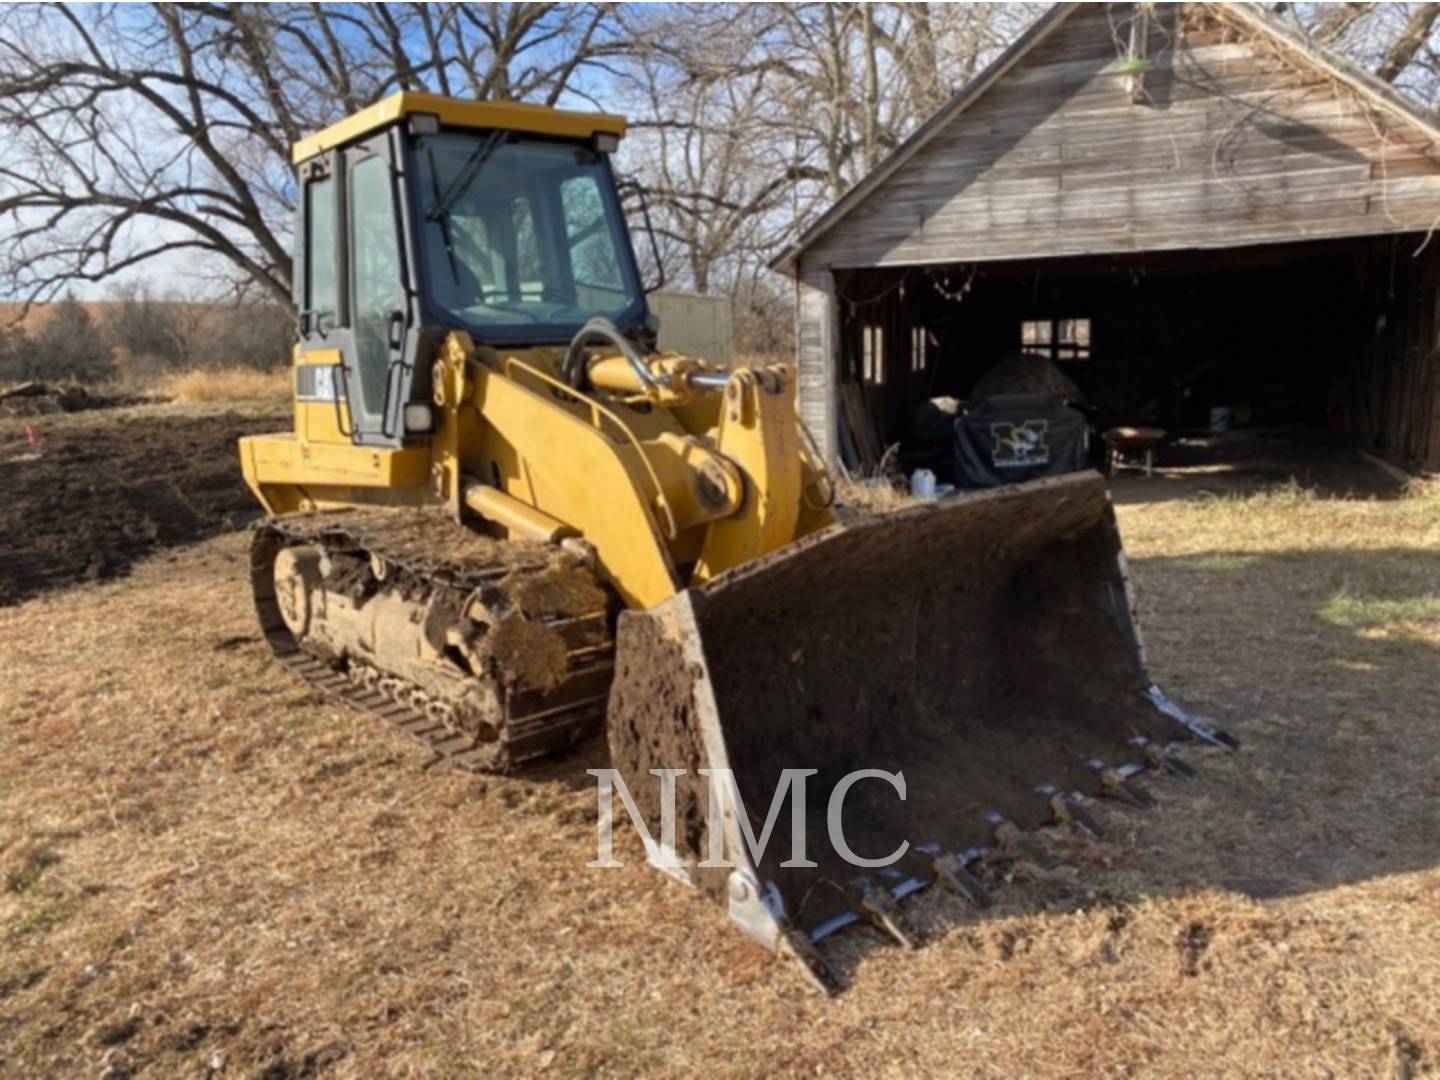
(715, 173)
(749, 119)
(130, 132)
(1395, 41)
(1414, 37)
(147, 331)
(69, 343)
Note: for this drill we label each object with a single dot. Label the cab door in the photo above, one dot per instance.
(376, 294)
(354, 305)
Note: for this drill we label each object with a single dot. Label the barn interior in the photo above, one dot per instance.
(1320, 336)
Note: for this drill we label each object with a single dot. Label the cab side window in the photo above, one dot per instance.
(322, 279)
(376, 291)
(599, 282)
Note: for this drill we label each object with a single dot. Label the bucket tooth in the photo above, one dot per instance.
(877, 905)
(1201, 729)
(1161, 760)
(1067, 811)
(1012, 841)
(1081, 819)
(953, 877)
(817, 972)
(1218, 736)
(1116, 783)
(1179, 767)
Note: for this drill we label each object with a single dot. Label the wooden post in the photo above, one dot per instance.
(817, 348)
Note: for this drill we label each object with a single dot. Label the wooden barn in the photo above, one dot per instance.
(1184, 206)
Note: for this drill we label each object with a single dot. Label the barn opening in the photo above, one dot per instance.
(1316, 336)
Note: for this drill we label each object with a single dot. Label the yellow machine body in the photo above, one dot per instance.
(666, 494)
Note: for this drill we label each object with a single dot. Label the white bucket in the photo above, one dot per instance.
(922, 484)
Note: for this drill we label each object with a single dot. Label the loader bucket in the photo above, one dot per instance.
(983, 646)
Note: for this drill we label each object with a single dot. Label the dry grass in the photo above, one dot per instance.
(875, 496)
(228, 384)
(204, 863)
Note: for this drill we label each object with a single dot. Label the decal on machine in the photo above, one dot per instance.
(317, 382)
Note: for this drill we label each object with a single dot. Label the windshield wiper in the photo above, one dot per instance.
(446, 237)
(466, 177)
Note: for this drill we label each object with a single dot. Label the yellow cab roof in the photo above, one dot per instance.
(458, 112)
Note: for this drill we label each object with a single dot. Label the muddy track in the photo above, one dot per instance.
(530, 658)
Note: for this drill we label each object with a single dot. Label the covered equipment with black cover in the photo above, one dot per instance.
(1010, 438)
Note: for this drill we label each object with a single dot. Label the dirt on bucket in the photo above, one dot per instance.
(1011, 669)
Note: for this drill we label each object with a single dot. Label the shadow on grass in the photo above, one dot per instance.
(1247, 462)
(1328, 664)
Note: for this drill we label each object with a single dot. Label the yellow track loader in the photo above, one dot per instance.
(504, 521)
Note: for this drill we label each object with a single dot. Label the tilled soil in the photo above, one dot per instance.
(45, 399)
(95, 492)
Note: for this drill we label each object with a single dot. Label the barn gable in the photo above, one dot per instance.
(1238, 134)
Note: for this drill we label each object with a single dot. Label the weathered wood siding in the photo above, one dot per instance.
(816, 348)
(1235, 142)
(1393, 392)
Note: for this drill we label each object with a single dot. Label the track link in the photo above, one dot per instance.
(418, 553)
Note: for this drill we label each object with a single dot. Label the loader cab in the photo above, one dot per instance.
(426, 214)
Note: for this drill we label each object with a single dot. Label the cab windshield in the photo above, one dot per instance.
(522, 239)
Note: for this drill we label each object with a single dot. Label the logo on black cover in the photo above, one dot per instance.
(1020, 445)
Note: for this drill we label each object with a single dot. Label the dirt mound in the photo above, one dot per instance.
(44, 399)
(94, 494)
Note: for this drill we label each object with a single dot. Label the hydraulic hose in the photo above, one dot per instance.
(572, 368)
